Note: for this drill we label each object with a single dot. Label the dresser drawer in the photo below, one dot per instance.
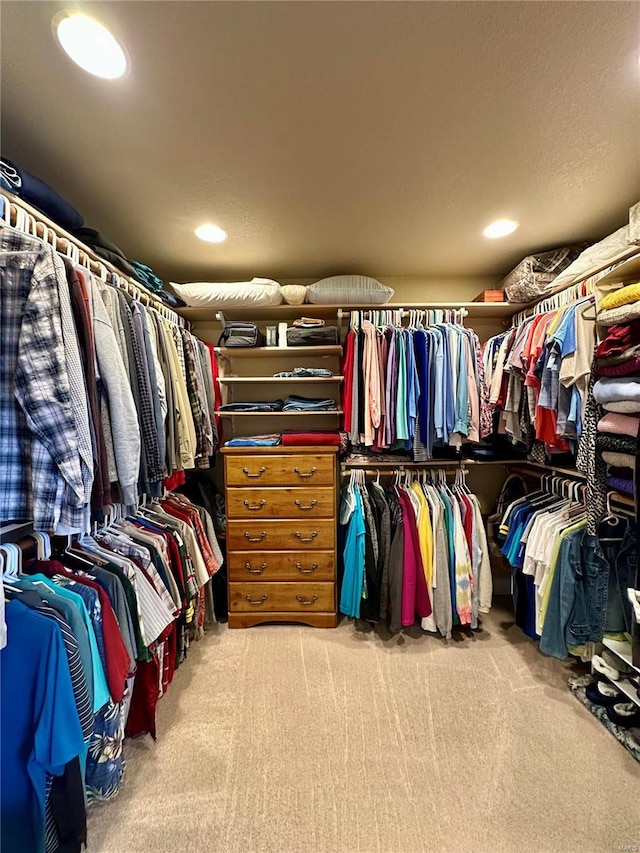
(285, 470)
(304, 502)
(281, 566)
(288, 597)
(307, 534)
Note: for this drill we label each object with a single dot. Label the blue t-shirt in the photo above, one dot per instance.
(39, 727)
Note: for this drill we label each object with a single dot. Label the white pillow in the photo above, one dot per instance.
(257, 293)
(349, 290)
(294, 294)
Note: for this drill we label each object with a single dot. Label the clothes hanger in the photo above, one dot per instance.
(13, 563)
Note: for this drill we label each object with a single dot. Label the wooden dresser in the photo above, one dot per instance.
(281, 535)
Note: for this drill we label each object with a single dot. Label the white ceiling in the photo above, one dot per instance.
(330, 137)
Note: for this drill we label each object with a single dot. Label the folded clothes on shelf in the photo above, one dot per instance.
(294, 403)
(313, 337)
(271, 440)
(303, 372)
(307, 323)
(258, 406)
(318, 437)
(38, 193)
(619, 484)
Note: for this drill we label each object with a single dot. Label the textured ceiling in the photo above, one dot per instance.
(373, 137)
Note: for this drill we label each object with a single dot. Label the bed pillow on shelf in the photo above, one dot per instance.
(257, 293)
(349, 290)
(294, 294)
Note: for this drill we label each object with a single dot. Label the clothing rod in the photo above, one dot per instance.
(385, 472)
(45, 228)
(429, 463)
(403, 312)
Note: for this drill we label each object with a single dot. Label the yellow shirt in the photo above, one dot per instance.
(425, 535)
(546, 594)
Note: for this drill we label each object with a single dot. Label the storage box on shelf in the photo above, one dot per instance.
(281, 535)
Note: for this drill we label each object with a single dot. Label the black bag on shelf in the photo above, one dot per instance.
(237, 334)
(318, 337)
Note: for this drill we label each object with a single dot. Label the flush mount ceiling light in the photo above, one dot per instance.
(90, 45)
(211, 234)
(500, 228)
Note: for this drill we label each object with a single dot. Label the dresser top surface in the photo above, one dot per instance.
(279, 449)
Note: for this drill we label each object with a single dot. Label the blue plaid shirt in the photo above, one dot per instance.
(43, 477)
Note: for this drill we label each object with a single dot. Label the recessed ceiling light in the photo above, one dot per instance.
(500, 228)
(211, 234)
(90, 45)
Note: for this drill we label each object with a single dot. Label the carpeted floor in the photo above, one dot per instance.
(286, 739)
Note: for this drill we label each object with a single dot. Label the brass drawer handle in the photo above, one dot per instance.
(308, 506)
(255, 507)
(251, 538)
(256, 602)
(260, 472)
(302, 474)
(305, 602)
(305, 538)
(308, 571)
(255, 571)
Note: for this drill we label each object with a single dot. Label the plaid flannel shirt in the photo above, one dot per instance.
(42, 474)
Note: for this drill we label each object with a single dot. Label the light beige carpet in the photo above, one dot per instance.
(288, 739)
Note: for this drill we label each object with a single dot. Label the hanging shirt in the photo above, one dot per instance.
(39, 728)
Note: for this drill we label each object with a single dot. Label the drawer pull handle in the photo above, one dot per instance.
(258, 571)
(255, 507)
(305, 538)
(308, 571)
(256, 602)
(308, 506)
(251, 538)
(305, 602)
(308, 474)
(259, 473)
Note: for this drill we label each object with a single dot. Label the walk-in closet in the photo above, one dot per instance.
(319, 426)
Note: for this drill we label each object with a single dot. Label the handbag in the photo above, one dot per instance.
(238, 334)
(317, 337)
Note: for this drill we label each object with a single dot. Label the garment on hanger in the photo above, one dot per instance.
(569, 585)
(412, 389)
(124, 605)
(415, 549)
(538, 373)
(103, 399)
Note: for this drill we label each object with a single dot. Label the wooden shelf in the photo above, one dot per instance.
(627, 272)
(259, 380)
(476, 310)
(278, 352)
(429, 463)
(276, 414)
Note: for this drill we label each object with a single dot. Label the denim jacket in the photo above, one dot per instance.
(589, 594)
